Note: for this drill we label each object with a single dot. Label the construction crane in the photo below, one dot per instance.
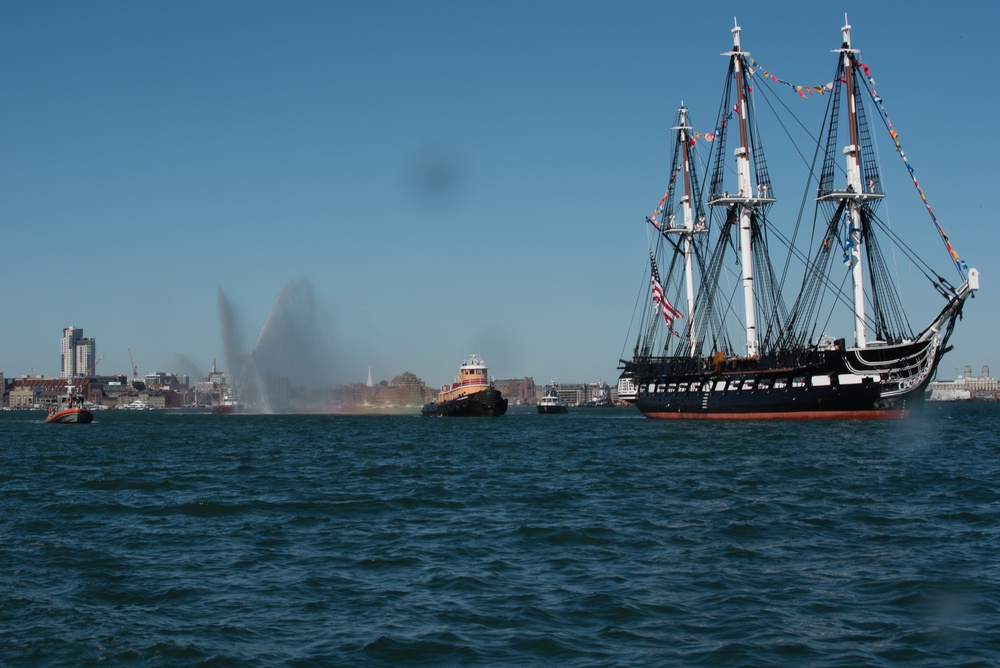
(136, 383)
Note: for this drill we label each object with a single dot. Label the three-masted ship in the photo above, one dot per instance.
(722, 339)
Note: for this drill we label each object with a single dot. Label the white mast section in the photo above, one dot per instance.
(855, 188)
(744, 198)
(688, 210)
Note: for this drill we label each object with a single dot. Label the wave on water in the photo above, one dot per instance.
(586, 539)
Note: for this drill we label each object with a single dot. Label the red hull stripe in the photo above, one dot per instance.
(71, 416)
(785, 415)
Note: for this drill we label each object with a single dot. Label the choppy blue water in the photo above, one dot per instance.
(590, 539)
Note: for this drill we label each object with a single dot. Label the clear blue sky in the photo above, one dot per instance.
(446, 177)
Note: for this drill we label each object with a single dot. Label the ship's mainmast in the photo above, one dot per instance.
(854, 193)
(744, 199)
(748, 200)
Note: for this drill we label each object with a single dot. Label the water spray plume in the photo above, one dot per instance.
(291, 350)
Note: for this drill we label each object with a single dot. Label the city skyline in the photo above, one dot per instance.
(75, 334)
(86, 366)
(446, 178)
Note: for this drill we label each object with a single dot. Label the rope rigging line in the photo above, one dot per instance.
(959, 263)
(870, 87)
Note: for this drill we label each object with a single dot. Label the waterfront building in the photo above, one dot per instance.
(407, 389)
(569, 395)
(37, 392)
(518, 391)
(25, 396)
(216, 376)
(965, 387)
(161, 380)
(578, 394)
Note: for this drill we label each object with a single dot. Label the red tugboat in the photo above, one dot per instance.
(228, 404)
(70, 410)
(471, 395)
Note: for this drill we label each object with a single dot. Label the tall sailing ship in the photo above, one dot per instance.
(721, 339)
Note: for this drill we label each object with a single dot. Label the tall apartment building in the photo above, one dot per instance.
(78, 354)
(70, 336)
(86, 358)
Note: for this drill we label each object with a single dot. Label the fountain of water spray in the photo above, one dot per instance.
(291, 351)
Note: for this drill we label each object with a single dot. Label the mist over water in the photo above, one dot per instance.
(292, 349)
(184, 364)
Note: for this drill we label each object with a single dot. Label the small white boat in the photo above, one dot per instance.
(550, 402)
(139, 405)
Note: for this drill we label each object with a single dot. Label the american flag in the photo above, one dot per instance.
(660, 300)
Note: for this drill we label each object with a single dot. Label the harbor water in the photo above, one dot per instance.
(595, 538)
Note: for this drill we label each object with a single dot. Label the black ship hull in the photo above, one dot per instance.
(885, 382)
(552, 410)
(487, 403)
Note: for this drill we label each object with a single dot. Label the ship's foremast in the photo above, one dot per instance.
(745, 192)
(748, 198)
(854, 185)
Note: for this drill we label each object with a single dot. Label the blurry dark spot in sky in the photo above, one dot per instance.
(437, 175)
